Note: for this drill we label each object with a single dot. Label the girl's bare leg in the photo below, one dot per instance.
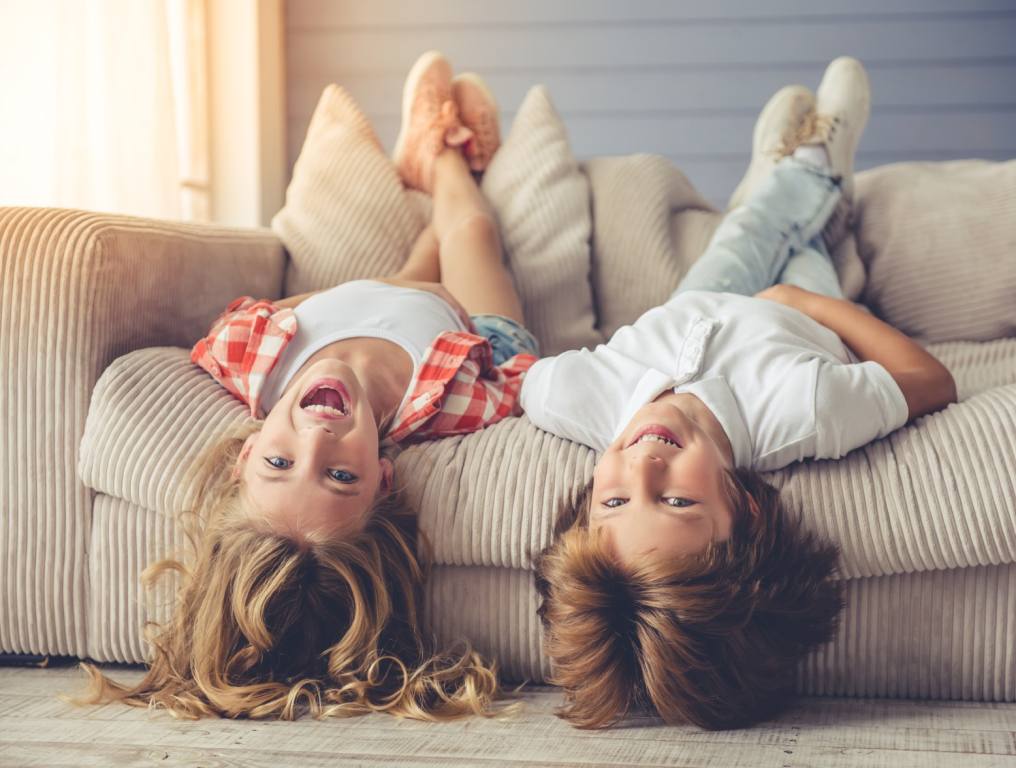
(423, 263)
(472, 264)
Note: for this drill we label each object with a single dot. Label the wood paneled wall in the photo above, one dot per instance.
(680, 79)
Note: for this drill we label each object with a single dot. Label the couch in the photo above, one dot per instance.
(102, 413)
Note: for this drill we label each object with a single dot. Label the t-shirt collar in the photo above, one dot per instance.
(717, 396)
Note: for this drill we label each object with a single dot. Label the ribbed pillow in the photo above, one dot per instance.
(347, 214)
(543, 207)
(939, 244)
(649, 226)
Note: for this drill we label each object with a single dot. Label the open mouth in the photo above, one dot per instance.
(326, 399)
(655, 433)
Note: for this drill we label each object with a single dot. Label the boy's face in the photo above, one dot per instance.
(660, 486)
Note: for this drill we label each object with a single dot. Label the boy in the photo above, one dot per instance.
(677, 581)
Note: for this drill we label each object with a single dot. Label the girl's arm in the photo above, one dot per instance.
(927, 385)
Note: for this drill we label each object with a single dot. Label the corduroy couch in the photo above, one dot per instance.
(101, 413)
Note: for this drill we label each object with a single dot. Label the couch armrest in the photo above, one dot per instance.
(77, 290)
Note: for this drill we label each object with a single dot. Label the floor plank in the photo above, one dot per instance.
(817, 732)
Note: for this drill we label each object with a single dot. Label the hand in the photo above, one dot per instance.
(437, 289)
(788, 295)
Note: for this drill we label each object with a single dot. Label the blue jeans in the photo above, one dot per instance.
(507, 338)
(775, 237)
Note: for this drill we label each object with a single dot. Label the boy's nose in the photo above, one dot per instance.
(647, 458)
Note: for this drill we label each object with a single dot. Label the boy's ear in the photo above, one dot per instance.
(241, 459)
(753, 507)
(387, 472)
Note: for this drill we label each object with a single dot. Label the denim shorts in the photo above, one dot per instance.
(507, 338)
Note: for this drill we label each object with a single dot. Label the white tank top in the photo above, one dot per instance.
(405, 316)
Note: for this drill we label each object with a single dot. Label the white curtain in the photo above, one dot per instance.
(104, 106)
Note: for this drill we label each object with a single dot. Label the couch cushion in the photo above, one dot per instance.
(943, 634)
(939, 244)
(936, 494)
(649, 226)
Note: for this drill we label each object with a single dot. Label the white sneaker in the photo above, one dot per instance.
(842, 106)
(776, 135)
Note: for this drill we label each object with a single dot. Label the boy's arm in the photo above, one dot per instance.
(927, 385)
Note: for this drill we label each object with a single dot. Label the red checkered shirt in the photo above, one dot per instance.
(457, 388)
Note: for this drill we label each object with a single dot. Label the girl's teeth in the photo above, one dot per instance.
(324, 409)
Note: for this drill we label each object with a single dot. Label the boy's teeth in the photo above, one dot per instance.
(656, 438)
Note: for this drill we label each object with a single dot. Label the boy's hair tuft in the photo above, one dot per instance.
(714, 639)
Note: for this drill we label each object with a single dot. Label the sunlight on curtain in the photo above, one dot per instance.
(105, 106)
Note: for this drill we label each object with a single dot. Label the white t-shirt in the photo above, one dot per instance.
(408, 317)
(783, 387)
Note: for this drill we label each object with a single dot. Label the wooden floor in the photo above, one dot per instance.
(39, 730)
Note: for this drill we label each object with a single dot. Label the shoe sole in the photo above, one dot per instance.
(408, 90)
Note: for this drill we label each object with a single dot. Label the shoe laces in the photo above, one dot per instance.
(815, 128)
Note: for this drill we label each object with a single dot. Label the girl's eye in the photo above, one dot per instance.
(277, 462)
(342, 476)
(677, 501)
(612, 502)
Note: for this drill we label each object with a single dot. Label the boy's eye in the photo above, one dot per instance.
(342, 476)
(277, 462)
(677, 501)
(612, 502)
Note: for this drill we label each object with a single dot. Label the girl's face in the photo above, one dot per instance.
(660, 487)
(314, 466)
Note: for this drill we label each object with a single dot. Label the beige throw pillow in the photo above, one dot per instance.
(939, 244)
(541, 197)
(347, 214)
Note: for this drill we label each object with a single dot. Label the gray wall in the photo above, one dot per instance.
(681, 79)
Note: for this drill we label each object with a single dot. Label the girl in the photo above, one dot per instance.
(676, 582)
(305, 588)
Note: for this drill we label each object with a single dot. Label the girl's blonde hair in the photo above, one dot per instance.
(265, 626)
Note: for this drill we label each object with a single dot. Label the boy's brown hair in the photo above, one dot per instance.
(713, 639)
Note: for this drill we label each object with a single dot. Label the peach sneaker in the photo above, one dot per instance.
(478, 112)
(430, 121)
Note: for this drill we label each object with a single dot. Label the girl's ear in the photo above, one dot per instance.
(387, 472)
(241, 459)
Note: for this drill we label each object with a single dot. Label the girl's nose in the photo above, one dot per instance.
(312, 430)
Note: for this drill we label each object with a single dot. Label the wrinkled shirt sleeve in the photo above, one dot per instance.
(855, 404)
(243, 345)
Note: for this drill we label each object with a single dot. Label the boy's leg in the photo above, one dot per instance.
(423, 263)
(813, 270)
(749, 250)
(788, 208)
(471, 258)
